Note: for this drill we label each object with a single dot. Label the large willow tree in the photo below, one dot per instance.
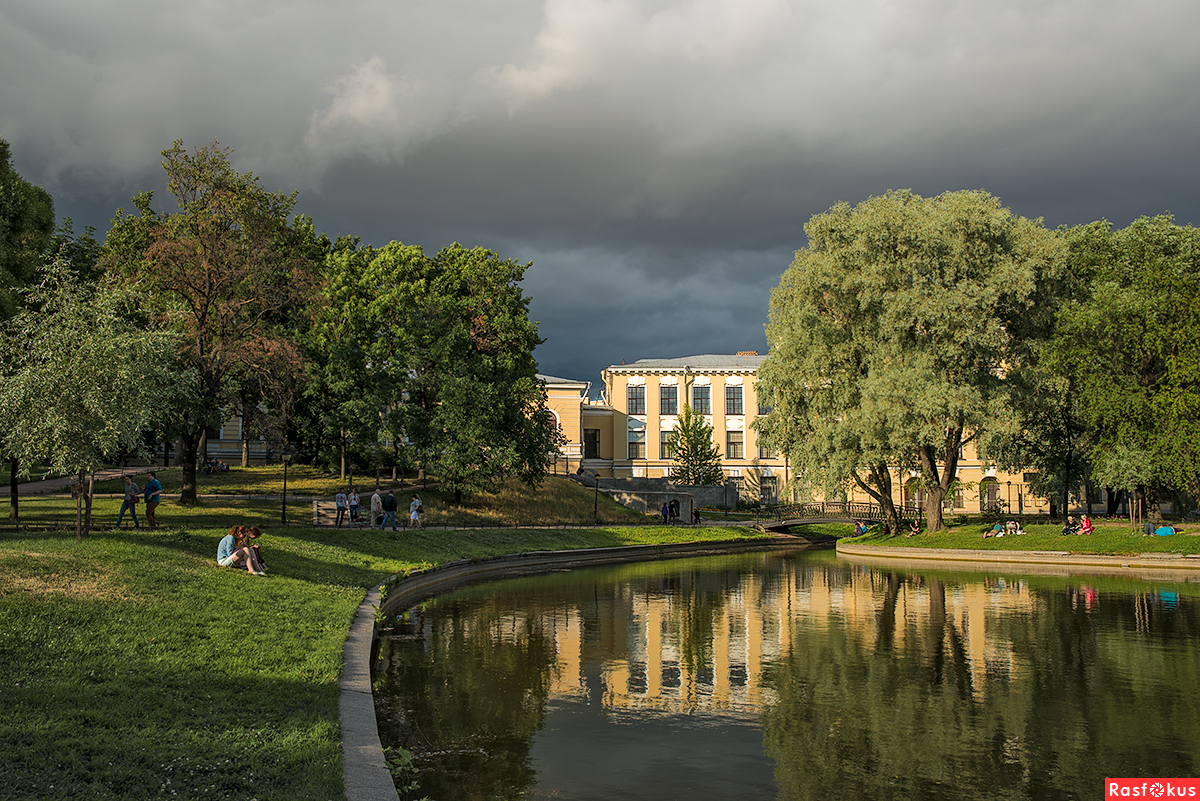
(891, 335)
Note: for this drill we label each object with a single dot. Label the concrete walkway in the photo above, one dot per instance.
(1146, 565)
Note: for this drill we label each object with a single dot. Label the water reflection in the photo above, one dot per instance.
(797, 677)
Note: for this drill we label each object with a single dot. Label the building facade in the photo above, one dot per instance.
(624, 434)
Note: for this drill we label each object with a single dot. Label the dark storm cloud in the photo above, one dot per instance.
(655, 159)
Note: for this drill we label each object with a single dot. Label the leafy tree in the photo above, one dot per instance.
(474, 409)
(26, 223)
(227, 269)
(1132, 344)
(891, 334)
(26, 229)
(81, 378)
(697, 459)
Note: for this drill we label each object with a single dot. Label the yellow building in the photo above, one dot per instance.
(624, 433)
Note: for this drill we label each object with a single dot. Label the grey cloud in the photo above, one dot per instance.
(656, 159)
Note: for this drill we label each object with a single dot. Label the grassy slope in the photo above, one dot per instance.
(1109, 538)
(558, 501)
(138, 669)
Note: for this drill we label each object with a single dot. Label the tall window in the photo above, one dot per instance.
(763, 409)
(668, 399)
(733, 400)
(765, 452)
(591, 443)
(637, 444)
(665, 451)
(635, 397)
(702, 400)
(733, 445)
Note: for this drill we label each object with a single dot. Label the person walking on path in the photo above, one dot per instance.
(414, 512)
(340, 501)
(129, 504)
(390, 505)
(353, 505)
(153, 491)
(377, 510)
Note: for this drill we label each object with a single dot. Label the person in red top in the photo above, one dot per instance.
(1085, 526)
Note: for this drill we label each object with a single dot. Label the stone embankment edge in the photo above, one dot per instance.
(365, 773)
(1157, 561)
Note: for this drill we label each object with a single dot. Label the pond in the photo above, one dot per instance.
(794, 675)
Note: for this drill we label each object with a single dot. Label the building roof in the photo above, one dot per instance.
(695, 363)
(549, 379)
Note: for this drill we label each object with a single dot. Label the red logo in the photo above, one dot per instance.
(1152, 788)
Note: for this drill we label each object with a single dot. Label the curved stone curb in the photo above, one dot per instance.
(1145, 561)
(365, 774)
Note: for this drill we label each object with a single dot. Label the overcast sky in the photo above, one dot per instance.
(656, 160)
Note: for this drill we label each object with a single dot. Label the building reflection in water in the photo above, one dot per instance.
(862, 679)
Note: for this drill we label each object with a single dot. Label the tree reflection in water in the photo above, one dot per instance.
(861, 682)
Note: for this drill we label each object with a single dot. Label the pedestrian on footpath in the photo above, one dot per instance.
(414, 512)
(353, 505)
(340, 501)
(129, 504)
(153, 491)
(390, 505)
(377, 510)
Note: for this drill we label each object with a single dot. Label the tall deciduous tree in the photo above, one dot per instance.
(82, 378)
(26, 229)
(228, 268)
(475, 409)
(891, 333)
(1132, 342)
(697, 460)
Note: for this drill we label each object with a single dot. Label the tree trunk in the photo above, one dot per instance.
(166, 453)
(78, 493)
(187, 457)
(245, 440)
(879, 486)
(342, 455)
(203, 447)
(935, 490)
(87, 505)
(14, 502)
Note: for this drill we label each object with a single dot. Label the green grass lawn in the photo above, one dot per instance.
(135, 668)
(1110, 537)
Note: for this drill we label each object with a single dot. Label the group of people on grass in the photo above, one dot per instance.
(152, 493)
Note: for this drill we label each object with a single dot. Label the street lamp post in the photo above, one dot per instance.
(287, 458)
(596, 501)
(1010, 497)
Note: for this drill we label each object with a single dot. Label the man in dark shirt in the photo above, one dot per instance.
(389, 510)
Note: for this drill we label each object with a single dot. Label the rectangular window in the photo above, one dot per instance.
(764, 452)
(668, 399)
(635, 397)
(702, 400)
(591, 443)
(763, 409)
(664, 446)
(733, 400)
(733, 445)
(637, 444)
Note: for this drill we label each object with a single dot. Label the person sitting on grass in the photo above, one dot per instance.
(246, 539)
(914, 529)
(1085, 525)
(995, 531)
(229, 555)
(1069, 526)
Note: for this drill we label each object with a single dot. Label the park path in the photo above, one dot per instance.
(52, 485)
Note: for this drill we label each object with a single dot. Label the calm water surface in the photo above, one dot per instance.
(794, 676)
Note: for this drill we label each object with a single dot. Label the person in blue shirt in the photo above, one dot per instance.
(153, 492)
(229, 555)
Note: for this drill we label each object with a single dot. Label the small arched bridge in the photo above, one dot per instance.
(780, 517)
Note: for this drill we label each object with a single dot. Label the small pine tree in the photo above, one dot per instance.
(697, 459)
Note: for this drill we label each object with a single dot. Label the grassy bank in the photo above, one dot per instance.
(136, 668)
(1109, 538)
(558, 501)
